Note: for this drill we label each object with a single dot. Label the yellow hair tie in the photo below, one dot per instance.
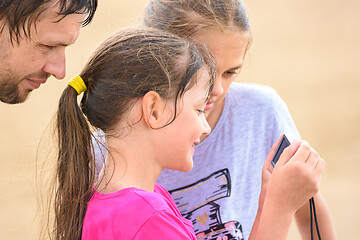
(78, 84)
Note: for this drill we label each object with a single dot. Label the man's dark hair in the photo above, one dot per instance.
(20, 14)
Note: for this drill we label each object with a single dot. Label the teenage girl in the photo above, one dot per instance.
(246, 120)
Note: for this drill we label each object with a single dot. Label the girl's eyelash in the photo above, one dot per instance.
(201, 111)
(232, 73)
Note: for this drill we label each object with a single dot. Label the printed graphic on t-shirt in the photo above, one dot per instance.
(203, 210)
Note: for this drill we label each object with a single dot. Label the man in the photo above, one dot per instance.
(34, 35)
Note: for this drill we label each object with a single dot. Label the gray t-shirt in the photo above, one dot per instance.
(220, 194)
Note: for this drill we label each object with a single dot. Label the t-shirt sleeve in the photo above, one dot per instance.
(284, 122)
(164, 225)
(261, 105)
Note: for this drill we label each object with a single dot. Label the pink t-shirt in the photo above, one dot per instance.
(133, 213)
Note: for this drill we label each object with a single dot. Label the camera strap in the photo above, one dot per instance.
(313, 215)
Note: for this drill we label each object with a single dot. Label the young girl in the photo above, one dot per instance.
(246, 120)
(146, 90)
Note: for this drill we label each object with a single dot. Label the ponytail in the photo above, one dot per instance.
(75, 173)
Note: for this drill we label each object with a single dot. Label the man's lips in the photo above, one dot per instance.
(35, 83)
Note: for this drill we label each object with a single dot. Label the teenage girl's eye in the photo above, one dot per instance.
(201, 111)
(230, 73)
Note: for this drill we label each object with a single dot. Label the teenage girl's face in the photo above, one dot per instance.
(229, 49)
(181, 136)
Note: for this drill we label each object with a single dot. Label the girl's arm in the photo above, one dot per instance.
(326, 225)
(295, 179)
(266, 174)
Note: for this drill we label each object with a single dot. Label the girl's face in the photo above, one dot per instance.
(229, 49)
(179, 138)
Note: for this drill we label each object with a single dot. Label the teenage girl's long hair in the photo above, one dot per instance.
(185, 17)
(125, 67)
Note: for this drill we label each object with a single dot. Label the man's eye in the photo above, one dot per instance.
(49, 47)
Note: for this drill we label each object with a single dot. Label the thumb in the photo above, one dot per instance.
(267, 164)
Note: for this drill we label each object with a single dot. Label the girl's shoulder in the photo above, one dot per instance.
(128, 211)
(129, 207)
(253, 97)
(252, 92)
(134, 197)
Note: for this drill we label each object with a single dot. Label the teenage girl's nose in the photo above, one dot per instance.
(206, 128)
(218, 89)
(55, 64)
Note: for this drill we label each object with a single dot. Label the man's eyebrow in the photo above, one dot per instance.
(63, 44)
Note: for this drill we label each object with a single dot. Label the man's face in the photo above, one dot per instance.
(27, 65)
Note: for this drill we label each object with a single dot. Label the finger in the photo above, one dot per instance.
(314, 151)
(289, 152)
(303, 153)
(320, 166)
(312, 160)
(318, 170)
(267, 164)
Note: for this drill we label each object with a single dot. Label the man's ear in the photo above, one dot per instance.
(153, 107)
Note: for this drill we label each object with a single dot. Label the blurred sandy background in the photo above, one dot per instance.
(309, 51)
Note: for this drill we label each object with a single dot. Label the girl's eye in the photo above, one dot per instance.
(231, 73)
(201, 111)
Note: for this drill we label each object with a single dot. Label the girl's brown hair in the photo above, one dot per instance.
(186, 17)
(123, 68)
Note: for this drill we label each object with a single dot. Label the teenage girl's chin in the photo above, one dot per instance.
(188, 165)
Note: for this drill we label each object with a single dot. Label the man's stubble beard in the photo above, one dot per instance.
(9, 92)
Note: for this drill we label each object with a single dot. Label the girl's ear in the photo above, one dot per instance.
(153, 107)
